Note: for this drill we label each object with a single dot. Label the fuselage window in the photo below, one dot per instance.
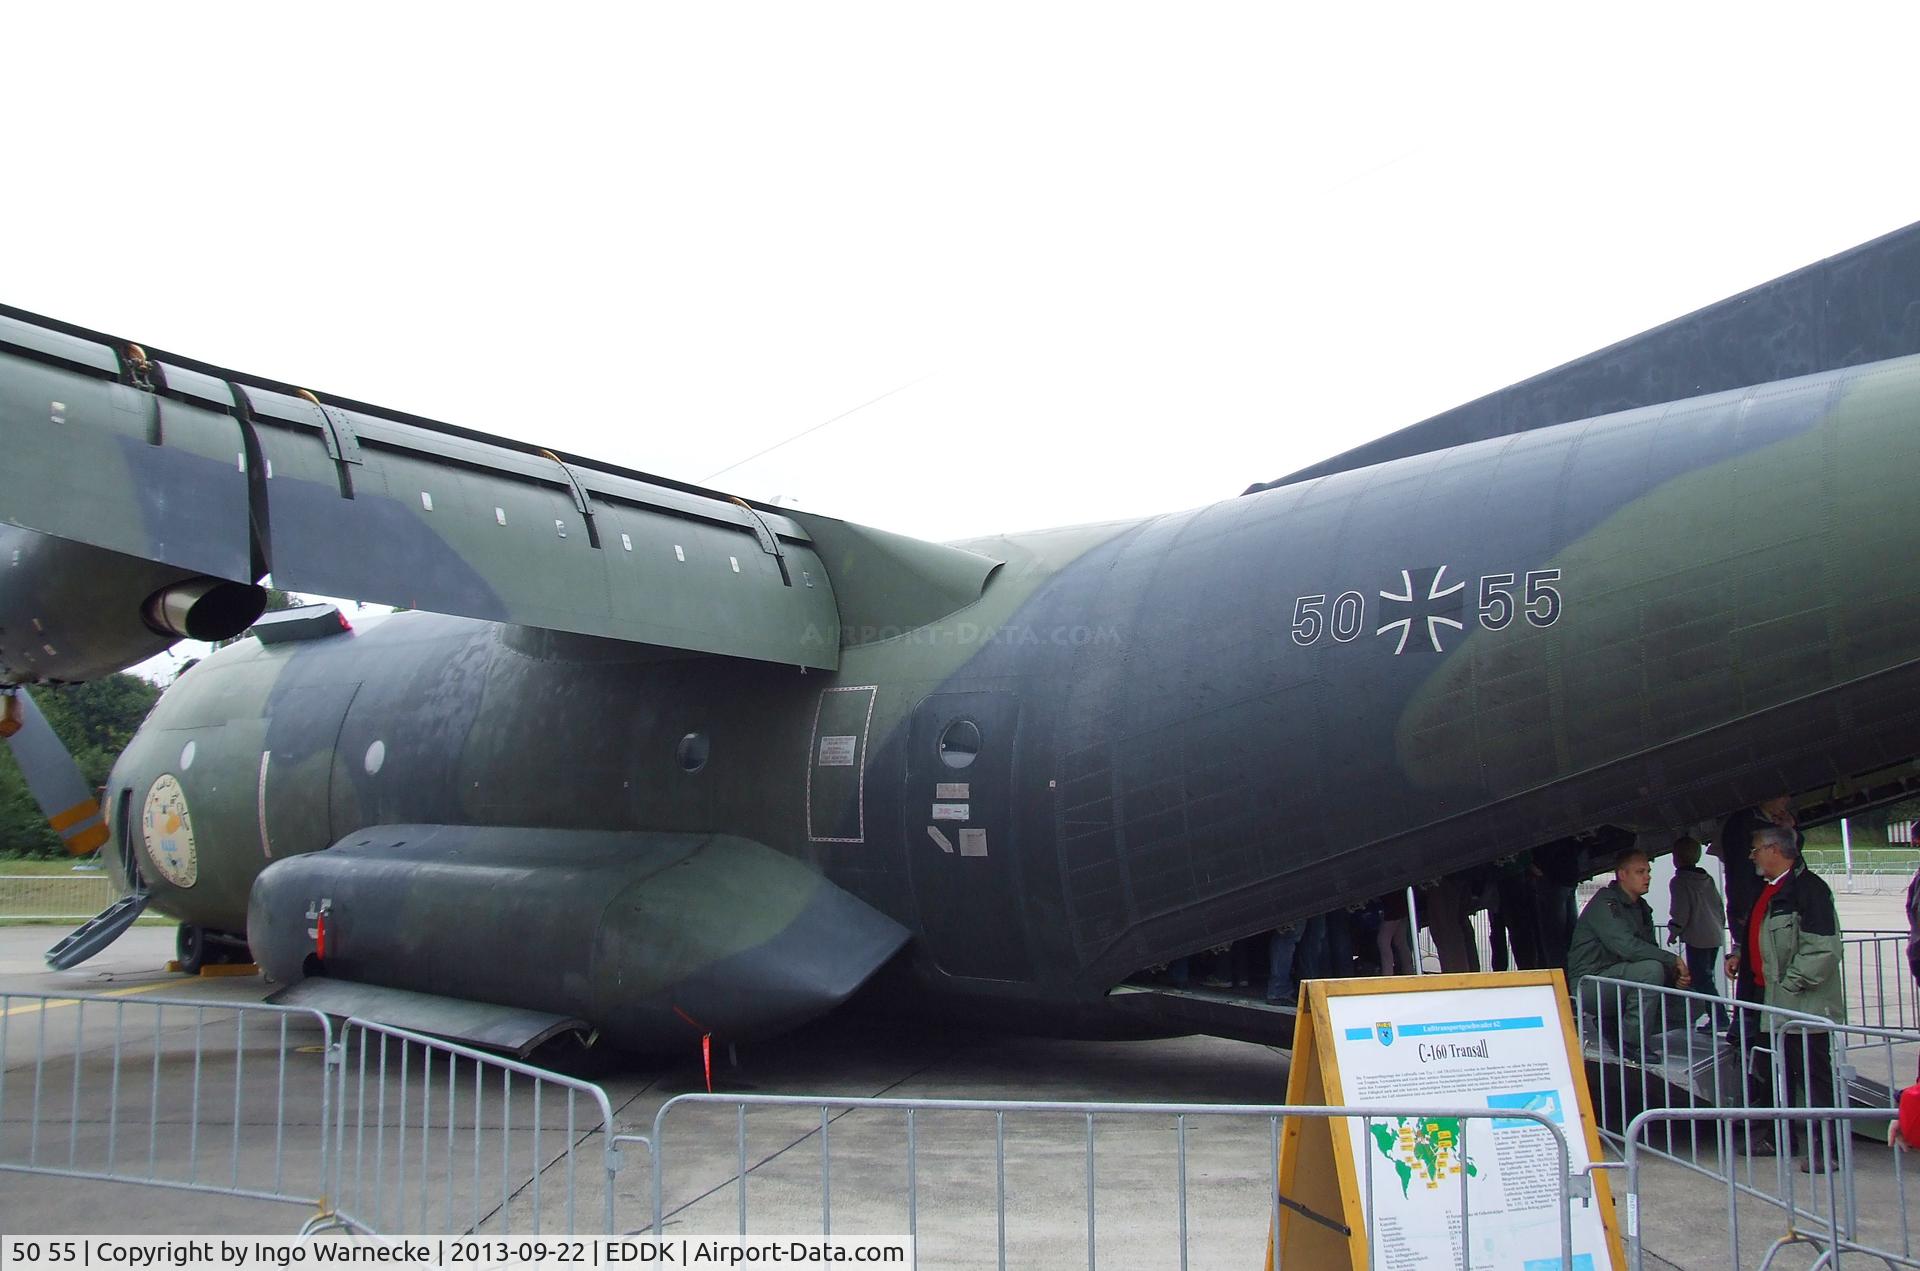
(960, 743)
(692, 752)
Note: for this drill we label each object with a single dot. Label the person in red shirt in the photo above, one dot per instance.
(1787, 956)
(1905, 1132)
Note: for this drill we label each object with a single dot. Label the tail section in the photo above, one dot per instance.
(1847, 310)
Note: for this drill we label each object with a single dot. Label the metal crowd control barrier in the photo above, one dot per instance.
(432, 1136)
(413, 1133)
(1804, 1226)
(1880, 986)
(955, 1169)
(169, 1092)
(1732, 1099)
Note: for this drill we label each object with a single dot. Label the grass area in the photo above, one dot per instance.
(1863, 836)
(1872, 854)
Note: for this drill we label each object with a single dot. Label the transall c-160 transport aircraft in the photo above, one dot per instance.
(643, 760)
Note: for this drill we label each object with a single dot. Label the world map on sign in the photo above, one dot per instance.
(1427, 1148)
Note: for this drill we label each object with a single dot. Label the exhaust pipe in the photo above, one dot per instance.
(205, 609)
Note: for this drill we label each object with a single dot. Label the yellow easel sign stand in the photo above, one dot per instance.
(1495, 1041)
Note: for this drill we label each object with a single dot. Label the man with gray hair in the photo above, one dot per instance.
(1788, 955)
(1730, 846)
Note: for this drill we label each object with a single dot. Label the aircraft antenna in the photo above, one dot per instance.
(815, 428)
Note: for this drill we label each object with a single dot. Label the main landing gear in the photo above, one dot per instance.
(195, 947)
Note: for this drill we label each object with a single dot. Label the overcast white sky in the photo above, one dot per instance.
(1141, 255)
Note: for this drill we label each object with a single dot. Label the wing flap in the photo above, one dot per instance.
(505, 1028)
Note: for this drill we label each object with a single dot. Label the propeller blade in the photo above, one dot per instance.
(53, 778)
(55, 782)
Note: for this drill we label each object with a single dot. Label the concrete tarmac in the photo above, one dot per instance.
(150, 1114)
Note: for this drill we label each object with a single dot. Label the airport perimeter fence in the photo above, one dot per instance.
(65, 897)
(1787, 1111)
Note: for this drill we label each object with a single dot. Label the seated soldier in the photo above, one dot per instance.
(1614, 939)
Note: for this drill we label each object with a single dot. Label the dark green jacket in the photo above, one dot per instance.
(1800, 949)
(1613, 931)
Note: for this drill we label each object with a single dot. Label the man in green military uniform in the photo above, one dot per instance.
(1614, 940)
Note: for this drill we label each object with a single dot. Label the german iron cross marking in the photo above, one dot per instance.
(1431, 605)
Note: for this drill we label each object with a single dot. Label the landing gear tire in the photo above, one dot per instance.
(190, 948)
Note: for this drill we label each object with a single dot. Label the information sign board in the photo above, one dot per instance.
(1390, 1193)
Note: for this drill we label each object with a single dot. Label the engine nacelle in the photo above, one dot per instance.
(654, 938)
(72, 612)
(205, 608)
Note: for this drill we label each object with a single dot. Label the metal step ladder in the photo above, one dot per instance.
(97, 932)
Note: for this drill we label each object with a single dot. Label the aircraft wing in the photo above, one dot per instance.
(1846, 310)
(206, 473)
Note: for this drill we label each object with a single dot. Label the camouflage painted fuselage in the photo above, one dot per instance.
(1189, 728)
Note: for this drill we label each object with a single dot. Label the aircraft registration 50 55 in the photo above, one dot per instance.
(1427, 606)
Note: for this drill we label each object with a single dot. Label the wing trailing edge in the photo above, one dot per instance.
(504, 1028)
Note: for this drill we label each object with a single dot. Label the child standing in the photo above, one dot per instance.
(1698, 920)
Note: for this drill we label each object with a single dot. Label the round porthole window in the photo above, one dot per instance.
(692, 752)
(960, 743)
